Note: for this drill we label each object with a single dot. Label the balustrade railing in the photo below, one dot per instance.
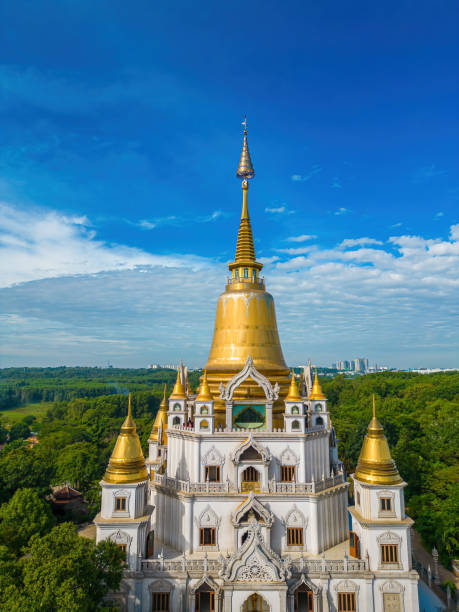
(227, 486)
(312, 566)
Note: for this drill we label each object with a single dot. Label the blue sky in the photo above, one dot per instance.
(120, 135)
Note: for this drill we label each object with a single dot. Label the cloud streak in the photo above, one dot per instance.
(82, 300)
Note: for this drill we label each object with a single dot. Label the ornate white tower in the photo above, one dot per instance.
(125, 516)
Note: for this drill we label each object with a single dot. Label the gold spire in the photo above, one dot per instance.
(293, 393)
(375, 465)
(204, 394)
(127, 463)
(178, 391)
(317, 393)
(160, 419)
(245, 248)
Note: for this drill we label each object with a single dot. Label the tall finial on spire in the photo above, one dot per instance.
(374, 406)
(245, 169)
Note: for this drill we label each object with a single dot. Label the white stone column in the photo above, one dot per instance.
(314, 526)
(269, 416)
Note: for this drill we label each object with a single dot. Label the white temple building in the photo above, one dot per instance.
(242, 503)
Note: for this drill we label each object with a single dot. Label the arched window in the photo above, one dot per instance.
(318, 407)
(204, 410)
(177, 406)
(295, 410)
(246, 273)
(250, 474)
(255, 603)
(319, 421)
(204, 425)
(295, 425)
(176, 421)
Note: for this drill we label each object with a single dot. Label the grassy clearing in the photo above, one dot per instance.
(13, 415)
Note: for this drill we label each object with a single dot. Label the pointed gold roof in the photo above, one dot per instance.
(245, 169)
(204, 394)
(245, 248)
(317, 393)
(178, 392)
(160, 419)
(127, 463)
(375, 465)
(293, 393)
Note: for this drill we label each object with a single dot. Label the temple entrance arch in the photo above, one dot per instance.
(255, 603)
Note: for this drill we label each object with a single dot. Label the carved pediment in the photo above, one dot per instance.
(213, 457)
(249, 371)
(288, 457)
(254, 561)
(251, 442)
(252, 503)
(208, 518)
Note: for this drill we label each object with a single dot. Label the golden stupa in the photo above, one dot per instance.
(375, 465)
(245, 321)
(161, 419)
(127, 463)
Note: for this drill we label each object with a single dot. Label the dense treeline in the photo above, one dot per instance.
(420, 417)
(19, 386)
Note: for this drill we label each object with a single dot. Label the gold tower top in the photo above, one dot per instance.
(204, 394)
(317, 393)
(160, 419)
(127, 463)
(178, 392)
(245, 248)
(293, 393)
(375, 465)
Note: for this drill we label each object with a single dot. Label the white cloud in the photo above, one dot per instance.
(439, 214)
(38, 244)
(342, 211)
(298, 251)
(277, 211)
(352, 242)
(88, 301)
(302, 238)
(399, 224)
(144, 224)
(301, 178)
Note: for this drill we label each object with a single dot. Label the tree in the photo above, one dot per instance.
(78, 464)
(23, 516)
(25, 468)
(19, 431)
(63, 571)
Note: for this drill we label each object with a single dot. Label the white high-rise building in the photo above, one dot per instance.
(242, 503)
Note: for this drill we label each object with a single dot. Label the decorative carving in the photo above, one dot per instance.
(208, 518)
(288, 457)
(213, 457)
(391, 587)
(389, 537)
(254, 561)
(295, 518)
(346, 586)
(251, 442)
(206, 579)
(252, 503)
(303, 580)
(255, 570)
(249, 371)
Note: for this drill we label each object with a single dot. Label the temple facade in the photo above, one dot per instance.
(242, 502)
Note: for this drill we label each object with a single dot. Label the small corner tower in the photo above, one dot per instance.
(318, 410)
(176, 416)
(157, 442)
(380, 527)
(204, 418)
(125, 517)
(294, 416)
